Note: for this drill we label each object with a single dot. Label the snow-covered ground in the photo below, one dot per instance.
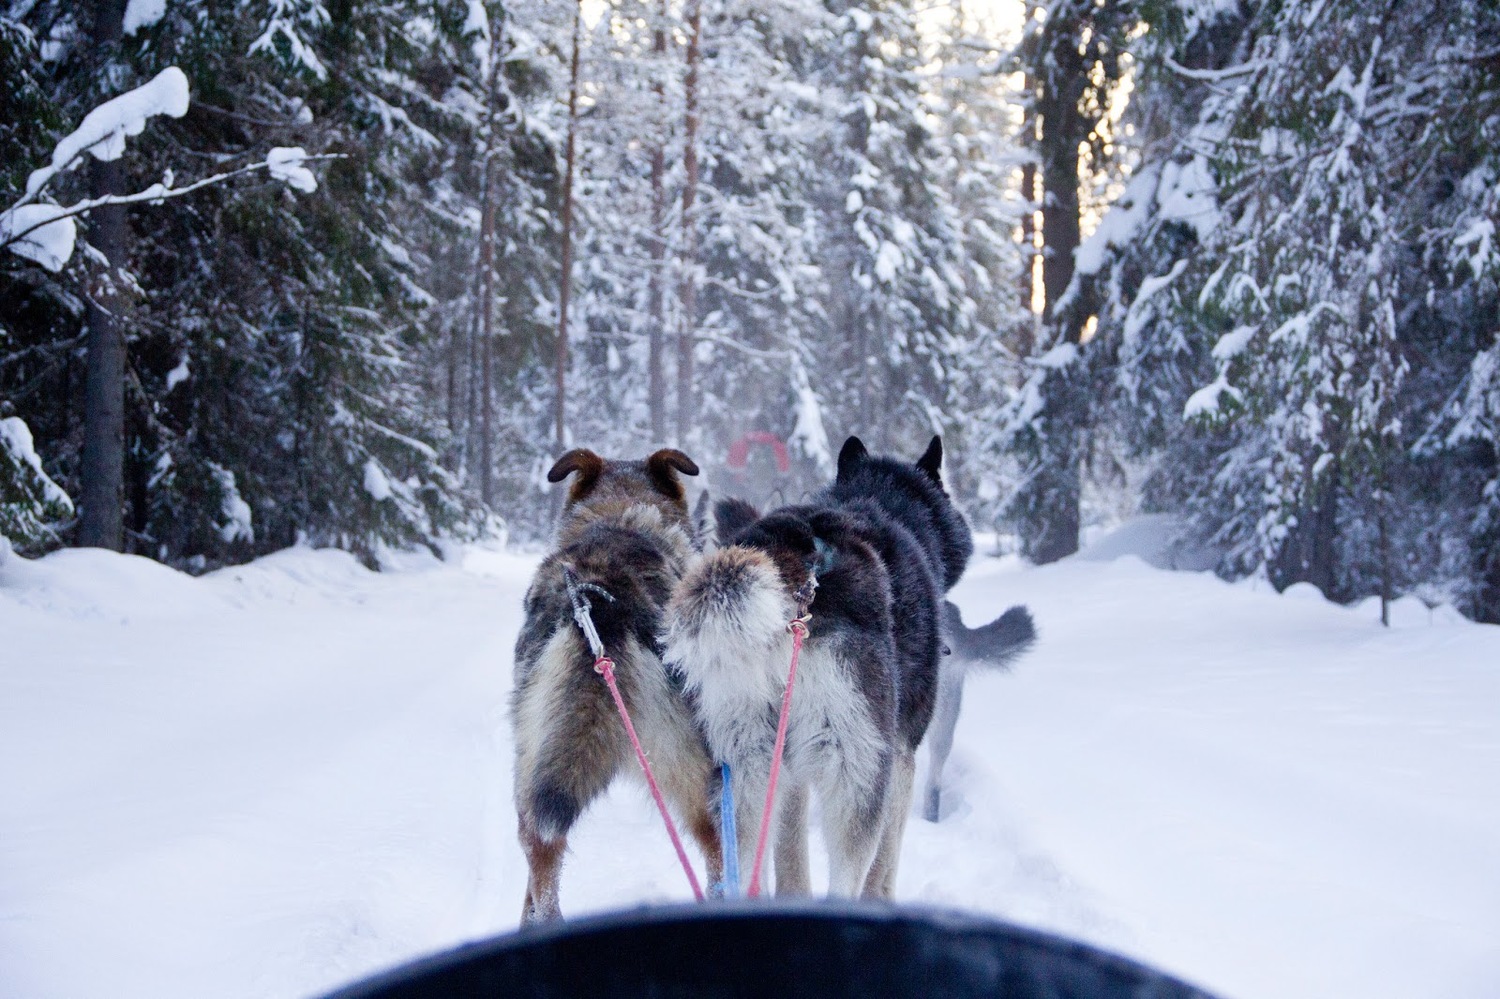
(279, 777)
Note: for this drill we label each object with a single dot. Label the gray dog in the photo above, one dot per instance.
(995, 646)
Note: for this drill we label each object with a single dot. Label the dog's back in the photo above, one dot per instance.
(626, 536)
(896, 543)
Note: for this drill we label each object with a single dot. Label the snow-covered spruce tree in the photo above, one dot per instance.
(31, 504)
(752, 280)
(890, 241)
(977, 132)
(1283, 271)
(1138, 273)
(33, 300)
(1073, 55)
(758, 311)
(270, 394)
(509, 173)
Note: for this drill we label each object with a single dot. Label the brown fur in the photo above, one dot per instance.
(625, 528)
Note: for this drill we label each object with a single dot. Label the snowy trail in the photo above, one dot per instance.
(279, 777)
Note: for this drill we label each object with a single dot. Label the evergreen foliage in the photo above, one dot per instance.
(1296, 292)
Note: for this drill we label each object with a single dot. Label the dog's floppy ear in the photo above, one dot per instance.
(931, 461)
(850, 455)
(586, 463)
(663, 467)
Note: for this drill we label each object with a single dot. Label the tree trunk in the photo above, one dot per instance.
(689, 287)
(566, 278)
(1050, 527)
(1062, 130)
(485, 347)
(101, 517)
(657, 399)
(1309, 553)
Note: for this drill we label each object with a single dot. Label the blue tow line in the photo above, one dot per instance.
(731, 843)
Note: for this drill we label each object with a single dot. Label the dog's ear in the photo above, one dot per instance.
(931, 461)
(731, 516)
(850, 455)
(663, 467)
(586, 463)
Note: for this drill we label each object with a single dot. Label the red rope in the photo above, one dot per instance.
(798, 628)
(605, 667)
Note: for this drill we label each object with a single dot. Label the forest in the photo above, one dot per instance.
(279, 272)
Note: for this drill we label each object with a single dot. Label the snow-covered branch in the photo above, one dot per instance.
(45, 233)
(1213, 75)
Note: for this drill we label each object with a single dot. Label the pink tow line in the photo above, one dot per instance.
(798, 628)
(605, 667)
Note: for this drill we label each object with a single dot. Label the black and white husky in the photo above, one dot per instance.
(994, 646)
(884, 542)
(625, 530)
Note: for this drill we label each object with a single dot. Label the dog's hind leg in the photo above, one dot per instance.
(791, 842)
(692, 790)
(881, 882)
(544, 864)
(940, 736)
(852, 824)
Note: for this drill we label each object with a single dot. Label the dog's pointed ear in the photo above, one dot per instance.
(731, 516)
(586, 463)
(931, 461)
(850, 455)
(663, 467)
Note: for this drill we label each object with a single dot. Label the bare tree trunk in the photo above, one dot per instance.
(486, 283)
(689, 288)
(1387, 566)
(1062, 131)
(566, 279)
(655, 361)
(1059, 79)
(101, 518)
(1029, 233)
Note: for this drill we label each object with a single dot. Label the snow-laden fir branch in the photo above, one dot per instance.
(45, 234)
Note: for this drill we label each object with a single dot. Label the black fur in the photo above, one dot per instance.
(732, 516)
(912, 496)
(901, 513)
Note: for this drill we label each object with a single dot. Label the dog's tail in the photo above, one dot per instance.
(997, 644)
(727, 625)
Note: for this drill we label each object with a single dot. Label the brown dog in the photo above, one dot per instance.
(625, 529)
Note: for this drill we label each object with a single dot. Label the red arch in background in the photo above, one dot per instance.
(739, 451)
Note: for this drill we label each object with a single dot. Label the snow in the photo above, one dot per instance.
(49, 244)
(1059, 356)
(888, 261)
(280, 777)
(283, 25)
(808, 430)
(1205, 401)
(1232, 343)
(1121, 223)
(1188, 194)
(103, 131)
(377, 484)
(179, 374)
(285, 164)
(238, 520)
(143, 14)
(1137, 317)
